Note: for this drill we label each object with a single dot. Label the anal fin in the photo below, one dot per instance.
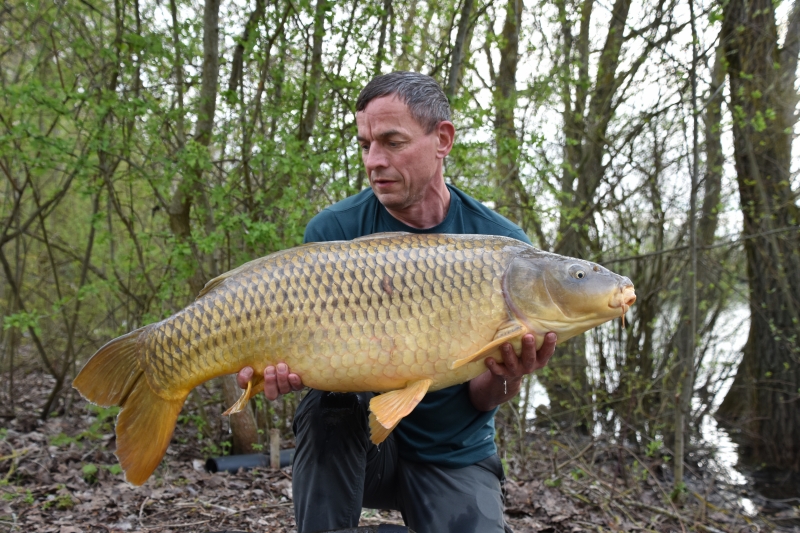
(378, 433)
(254, 386)
(389, 408)
(507, 332)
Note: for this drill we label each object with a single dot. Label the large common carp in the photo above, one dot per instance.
(395, 313)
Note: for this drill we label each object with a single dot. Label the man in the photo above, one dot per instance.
(439, 467)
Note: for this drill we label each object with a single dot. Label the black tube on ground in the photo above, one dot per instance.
(383, 528)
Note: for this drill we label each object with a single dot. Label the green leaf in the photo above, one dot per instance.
(89, 472)
(758, 122)
(23, 320)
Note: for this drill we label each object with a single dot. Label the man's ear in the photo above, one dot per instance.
(446, 133)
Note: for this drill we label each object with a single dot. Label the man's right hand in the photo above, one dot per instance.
(277, 380)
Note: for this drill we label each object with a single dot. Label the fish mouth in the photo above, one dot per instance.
(628, 296)
(623, 299)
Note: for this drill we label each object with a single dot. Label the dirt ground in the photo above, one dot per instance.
(60, 475)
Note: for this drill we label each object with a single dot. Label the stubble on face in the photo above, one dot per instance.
(393, 191)
(403, 162)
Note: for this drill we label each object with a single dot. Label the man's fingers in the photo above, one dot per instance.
(547, 350)
(510, 365)
(295, 382)
(527, 361)
(271, 383)
(278, 381)
(510, 361)
(283, 378)
(494, 367)
(528, 354)
(244, 376)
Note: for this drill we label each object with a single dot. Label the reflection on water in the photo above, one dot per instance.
(725, 459)
(748, 506)
(723, 462)
(538, 398)
(726, 455)
(755, 490)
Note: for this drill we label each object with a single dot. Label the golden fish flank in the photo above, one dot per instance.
(394, 313)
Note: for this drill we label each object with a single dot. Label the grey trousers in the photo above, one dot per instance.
(337, 471)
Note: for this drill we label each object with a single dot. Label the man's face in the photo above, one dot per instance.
(401, 160)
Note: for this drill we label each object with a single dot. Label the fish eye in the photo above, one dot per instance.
(577, 272)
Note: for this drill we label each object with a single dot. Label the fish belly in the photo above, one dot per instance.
(369, 314)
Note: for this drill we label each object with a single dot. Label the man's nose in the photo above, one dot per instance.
(375, 158)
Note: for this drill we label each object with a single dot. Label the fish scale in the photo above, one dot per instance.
(384, 291)
(395, 313)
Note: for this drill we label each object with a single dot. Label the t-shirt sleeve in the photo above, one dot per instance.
(324, 227)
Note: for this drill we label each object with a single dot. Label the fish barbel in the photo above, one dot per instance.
(395, 313)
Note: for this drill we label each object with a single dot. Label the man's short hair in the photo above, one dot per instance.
(424, 97)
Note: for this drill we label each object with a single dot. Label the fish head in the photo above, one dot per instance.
(550, 292)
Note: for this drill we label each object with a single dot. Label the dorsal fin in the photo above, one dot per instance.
(212, 284)
(382, 235)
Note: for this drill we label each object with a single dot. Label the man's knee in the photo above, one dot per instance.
(453, 500)
(325, 418)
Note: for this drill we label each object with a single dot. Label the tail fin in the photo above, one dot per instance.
(146, 421)
(144, 429)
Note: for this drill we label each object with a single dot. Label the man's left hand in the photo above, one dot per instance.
(529, 360)
(503, 380)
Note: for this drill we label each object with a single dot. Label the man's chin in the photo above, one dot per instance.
(391, 199)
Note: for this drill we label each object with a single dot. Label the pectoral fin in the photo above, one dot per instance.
(506, 333)
(388, 409)
(254, 386)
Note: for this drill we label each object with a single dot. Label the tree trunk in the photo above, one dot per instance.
(309, 106)
(457, 61)
(404, 62)
(764, 396)
(237, 64)
(190, 189)
(381, 54)
(312, 107)
(243, 423)
(512, 199)
(566, 381)
(704, 279)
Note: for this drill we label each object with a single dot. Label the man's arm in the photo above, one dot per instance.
(503, 380)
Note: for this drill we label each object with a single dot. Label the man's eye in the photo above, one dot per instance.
(365, 148)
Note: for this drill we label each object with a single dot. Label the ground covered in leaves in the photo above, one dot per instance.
(60, 475)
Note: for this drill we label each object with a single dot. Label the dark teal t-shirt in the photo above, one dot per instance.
(445, 428)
